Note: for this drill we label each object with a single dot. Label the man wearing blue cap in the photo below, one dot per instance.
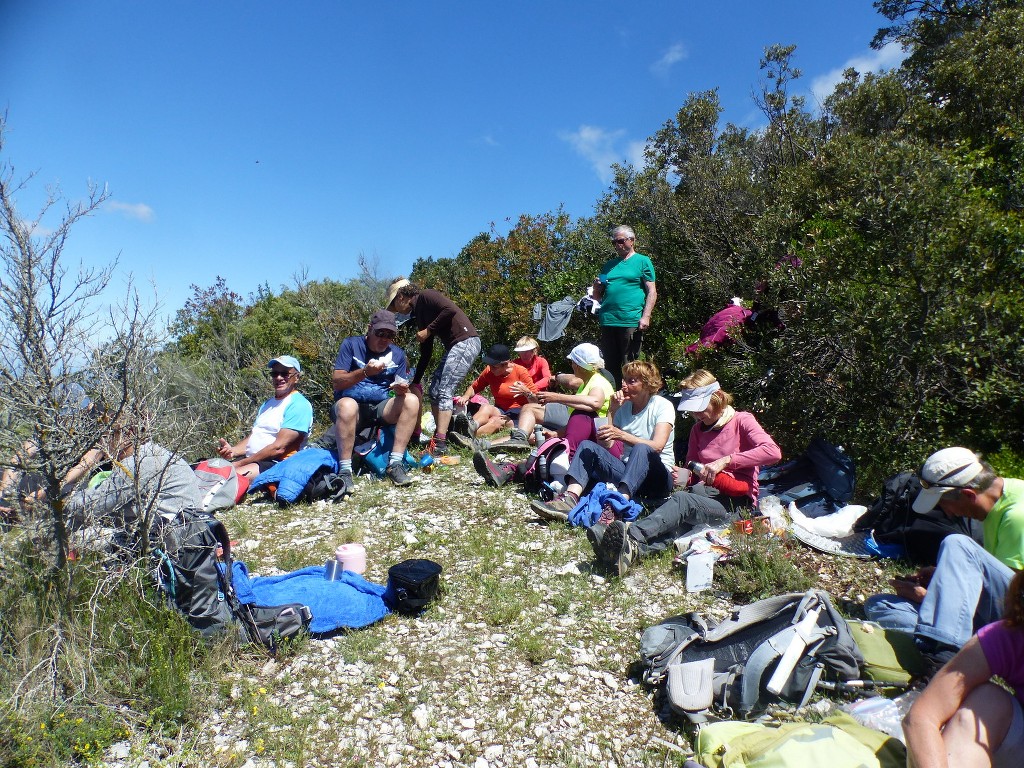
(282, 423)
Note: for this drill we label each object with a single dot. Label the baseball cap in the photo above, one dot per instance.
(383, 320)
(943, 471)
(697, 399)
(287, 361)
(498, 353)
(586, 356)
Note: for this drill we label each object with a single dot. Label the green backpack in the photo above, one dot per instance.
(890, 656)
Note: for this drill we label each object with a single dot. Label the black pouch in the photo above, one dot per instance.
(412, 584)
(269, 625)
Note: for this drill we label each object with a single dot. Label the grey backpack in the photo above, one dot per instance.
(776, 649)
(193, 553)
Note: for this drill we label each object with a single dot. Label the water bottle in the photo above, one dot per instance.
(538, 437)
(695, 466)
(542, 469)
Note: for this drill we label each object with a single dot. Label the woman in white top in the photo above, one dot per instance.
(635, 451)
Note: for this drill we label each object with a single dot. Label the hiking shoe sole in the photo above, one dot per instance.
(551, 510)
(462, 440)
(618, 552)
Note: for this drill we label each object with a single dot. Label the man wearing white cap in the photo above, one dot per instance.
(282, 423)
(944, 605)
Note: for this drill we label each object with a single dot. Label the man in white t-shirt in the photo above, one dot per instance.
(282, 423)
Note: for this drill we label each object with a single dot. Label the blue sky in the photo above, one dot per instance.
(254, 140)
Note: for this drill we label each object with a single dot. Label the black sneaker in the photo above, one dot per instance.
(934, 654)
(462, 440)
(618, 550)
(495, 474)
(396, 474)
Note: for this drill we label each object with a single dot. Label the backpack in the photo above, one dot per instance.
(820, 480)
(189, 550)
(220, 486)
(375, 453)
(555, 451)
(323, 484)
(892, 520)
(774, 649)
(193, 553)
(412, 584)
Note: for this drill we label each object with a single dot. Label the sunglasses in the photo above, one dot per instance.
(277, 373)
(939, 484)
(385, 334)
(622, 240)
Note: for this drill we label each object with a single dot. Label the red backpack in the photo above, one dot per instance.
(220, 486)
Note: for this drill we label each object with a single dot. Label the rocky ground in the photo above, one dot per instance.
(525, 660)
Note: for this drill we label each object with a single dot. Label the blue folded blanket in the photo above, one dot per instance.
(588, 510)
(349, 602)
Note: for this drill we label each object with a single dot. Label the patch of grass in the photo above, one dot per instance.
(117, 654)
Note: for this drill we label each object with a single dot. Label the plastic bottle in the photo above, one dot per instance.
(542, 469)
(538, 437)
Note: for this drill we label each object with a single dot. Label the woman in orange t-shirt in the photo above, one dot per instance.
(500, 374)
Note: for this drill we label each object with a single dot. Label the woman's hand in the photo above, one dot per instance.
(519, 388)
(609, 433)
(712, 468)
(460, 400)
(422, 336)
(680, 477)
(616, 400)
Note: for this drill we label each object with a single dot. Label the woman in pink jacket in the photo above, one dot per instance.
(727, 449)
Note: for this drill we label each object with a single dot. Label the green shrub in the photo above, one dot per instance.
(760, 567)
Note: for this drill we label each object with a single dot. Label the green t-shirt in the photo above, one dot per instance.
(1004, 526)
(624, 294)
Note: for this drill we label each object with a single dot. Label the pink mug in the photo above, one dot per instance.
(352, 557)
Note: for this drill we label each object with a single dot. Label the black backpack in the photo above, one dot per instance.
(892, 520)
(733, 667)
(412, 584)
(193, 553)
(819, 481)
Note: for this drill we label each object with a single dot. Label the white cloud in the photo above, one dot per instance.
(488, 140)
(874, 61)
(601, 148)
(672, 56)
(138, 211)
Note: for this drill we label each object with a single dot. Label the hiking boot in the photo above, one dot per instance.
(396, 474)
(517, 441)
(462, 440)
(436, 448)
(345, 486)
(460, 425)
(594, 535)
(495, 474)
(556, 509)
(618, 549)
